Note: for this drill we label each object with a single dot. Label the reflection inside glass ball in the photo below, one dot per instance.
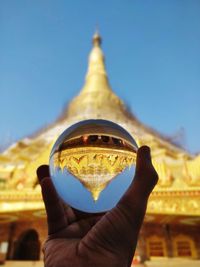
(92, 164)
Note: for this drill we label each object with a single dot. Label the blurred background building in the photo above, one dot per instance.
(170, 233)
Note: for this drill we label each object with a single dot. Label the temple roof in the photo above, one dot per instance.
(179, 171)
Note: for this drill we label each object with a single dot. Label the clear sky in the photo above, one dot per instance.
(152, 51)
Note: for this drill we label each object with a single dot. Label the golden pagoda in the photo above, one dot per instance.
(172, 224)
(95, 153)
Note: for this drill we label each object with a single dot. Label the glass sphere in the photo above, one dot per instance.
(92, 164)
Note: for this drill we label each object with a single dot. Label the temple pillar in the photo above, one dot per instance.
(168, 238)
(141, 250)
(10, 240)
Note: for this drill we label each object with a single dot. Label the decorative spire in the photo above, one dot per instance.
(96, 39)
(96, 92)
(96, 64)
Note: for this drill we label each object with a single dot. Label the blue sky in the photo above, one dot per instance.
(152, 58)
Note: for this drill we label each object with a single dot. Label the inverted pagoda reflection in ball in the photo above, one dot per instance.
(92, 164)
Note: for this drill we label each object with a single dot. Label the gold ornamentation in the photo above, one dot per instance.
(192, 171)
(165, 177)
(174, 203)
(94, 167)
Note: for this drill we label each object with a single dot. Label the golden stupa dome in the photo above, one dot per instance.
(96, 91)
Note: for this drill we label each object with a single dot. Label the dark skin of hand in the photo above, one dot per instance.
(79, 239)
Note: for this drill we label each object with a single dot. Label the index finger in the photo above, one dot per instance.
(56, 218)
(144, 181)
(134, 202)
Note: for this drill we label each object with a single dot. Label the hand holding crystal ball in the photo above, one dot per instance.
(92, 164)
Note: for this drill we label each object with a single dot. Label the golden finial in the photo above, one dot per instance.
(96, 39)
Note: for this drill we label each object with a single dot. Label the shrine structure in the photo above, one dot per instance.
(172, 223)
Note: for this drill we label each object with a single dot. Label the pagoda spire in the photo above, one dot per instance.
(97, 39)
(96, 74)
(96, 95)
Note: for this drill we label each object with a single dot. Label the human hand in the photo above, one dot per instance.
(79, 239)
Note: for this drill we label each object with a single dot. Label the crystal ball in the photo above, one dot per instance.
(92, 164)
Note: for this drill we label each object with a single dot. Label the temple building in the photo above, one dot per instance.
(172, 224)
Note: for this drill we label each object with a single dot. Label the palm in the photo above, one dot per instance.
(79, 239)
(72, 245)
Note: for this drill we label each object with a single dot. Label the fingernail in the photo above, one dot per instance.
(145, 151)
(42, 172)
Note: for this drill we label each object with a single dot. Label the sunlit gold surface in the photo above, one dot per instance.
(94, 167)
(178, 190)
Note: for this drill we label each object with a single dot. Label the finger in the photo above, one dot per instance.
(42, 172)
(69, 212)
(85, 215)
(77, 229)
(56, 218)
(120, 227)
(81, 228)
(144, 181)
(133, 204)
